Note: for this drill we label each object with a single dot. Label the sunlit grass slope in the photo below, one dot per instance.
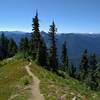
(12, 80)
(54, 87)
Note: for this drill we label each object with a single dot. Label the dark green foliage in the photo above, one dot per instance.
(64, 57)
(42, 54)
(93, 62)
(91, 79)
(8, 47)
(3, 46)
(38, 50)
(24, 46)
(84, 66)
(71, 70)
(12, 47)
(53, 61)
(36, 37)
(89, 71)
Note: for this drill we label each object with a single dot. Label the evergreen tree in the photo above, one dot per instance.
(36, 37)
(21, 45)
(53, 61)
(3, 46)
(42, 54)
(38, 47)
(93, 62)
(89, 71)
(91, 79)
(84, 66)
(24, 46)
(64, 57)
(12, 47)
(72, 70)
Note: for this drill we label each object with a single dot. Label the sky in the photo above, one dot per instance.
(70, 16)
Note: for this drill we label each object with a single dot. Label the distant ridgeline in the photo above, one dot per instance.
(76, 43)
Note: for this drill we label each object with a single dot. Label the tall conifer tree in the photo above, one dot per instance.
(12, 47)
(93, 62)
(91, 79)
(53, 60)
(24, 46)
(42, 54)
(72, 70)
(38, 46)
(84, 65)
(36, 37)
(3, 46)
(64, 57)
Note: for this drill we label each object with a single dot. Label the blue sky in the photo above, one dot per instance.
(69, 15)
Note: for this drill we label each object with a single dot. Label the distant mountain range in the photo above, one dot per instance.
(76, 42)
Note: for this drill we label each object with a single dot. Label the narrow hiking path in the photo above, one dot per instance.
(36, 95)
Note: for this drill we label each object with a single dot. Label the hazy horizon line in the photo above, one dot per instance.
(47, 32)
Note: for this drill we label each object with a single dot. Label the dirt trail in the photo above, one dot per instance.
(36, 95)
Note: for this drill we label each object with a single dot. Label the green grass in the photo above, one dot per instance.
(14, 81)
(11, 73)
(53, 86)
